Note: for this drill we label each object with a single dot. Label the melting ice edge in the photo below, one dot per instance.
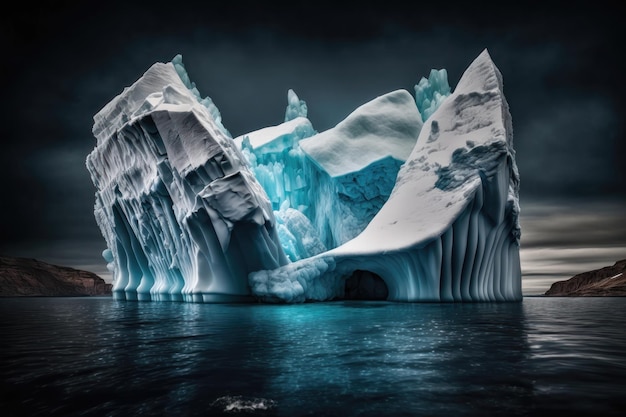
(420, 191)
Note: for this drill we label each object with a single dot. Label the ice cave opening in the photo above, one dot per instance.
(365, 285)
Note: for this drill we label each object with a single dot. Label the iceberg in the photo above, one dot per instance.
(182, 214)
(406, 199)
(450, 229)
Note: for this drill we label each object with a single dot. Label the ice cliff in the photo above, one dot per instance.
(407, 199)
(181, 212)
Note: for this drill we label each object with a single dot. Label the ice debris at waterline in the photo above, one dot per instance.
(407, 199)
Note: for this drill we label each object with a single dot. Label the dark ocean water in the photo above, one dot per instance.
(100, 357)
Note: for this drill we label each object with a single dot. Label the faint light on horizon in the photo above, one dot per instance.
(541, 267)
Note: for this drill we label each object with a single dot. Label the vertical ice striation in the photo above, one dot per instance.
(182, 215)
(450, 230)
(274, 156)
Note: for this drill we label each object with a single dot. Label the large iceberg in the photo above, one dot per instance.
(407, 199)
(182, 214)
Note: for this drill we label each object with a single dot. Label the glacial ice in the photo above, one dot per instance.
(295, 106)
(354, 164)
(430, 92)
(275, 158)
(303, 170)
(181, 212)
(450, 229)
(408, 199)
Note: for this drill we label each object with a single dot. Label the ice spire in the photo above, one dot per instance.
(295, 106)
(430, 93)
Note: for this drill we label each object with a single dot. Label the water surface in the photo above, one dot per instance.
(98, 356)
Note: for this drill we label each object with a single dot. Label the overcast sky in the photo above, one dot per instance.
(63, 62)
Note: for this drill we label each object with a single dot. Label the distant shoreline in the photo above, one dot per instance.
(609, 281)
(26, 277)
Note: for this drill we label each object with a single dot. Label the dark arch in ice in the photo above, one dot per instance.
(365, 285)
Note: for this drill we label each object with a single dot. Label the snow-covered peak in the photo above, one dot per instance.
(387, 126)
(162, 83)
(463, 144)
(481, 75)
(119, 110)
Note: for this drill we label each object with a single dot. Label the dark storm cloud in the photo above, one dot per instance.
(563, 238)
(568, 147)
(69, 197)
(574, 223)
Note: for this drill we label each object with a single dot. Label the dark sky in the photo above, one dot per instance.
(562, 69)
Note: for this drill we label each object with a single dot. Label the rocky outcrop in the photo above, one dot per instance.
(21, 277)
(607, 281)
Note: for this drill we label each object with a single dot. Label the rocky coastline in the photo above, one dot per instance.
(23, 277)
(607, 281)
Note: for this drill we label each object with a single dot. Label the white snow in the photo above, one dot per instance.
(384, 127)
(262, 139)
